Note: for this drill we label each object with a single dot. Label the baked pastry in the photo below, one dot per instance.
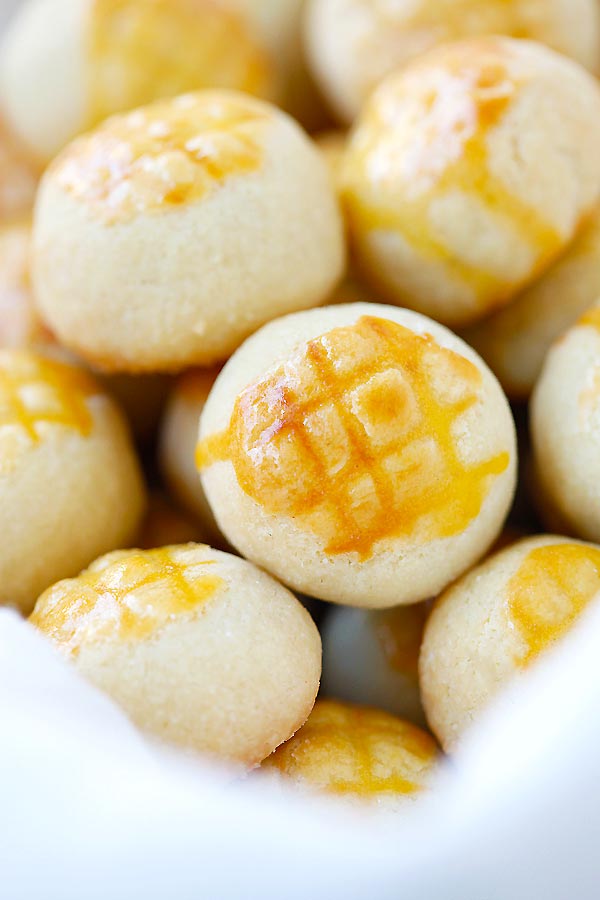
(495, 622)
(357, 753)
(371, 657)
(515, 340)
(141, 397)
(363, 454)
(445, 215)
(565, 428)
(201, 649)
(177, 446)
(218, 216)
(65, 65)
(70, 483)
(353, 44)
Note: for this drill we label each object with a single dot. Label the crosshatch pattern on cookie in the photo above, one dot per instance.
(355, 437)
(128, 595)
(164, 156)
(549, 591)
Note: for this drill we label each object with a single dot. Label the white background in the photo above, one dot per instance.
(88, 810)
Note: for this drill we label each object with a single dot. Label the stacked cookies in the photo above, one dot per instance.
(218, 329)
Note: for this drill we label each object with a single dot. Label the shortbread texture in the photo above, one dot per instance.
(201, 649)
(168, 235)
(361, 453)
(469, 173)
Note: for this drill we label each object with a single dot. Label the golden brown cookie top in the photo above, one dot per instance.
(549, 590)
(140, 50)
(425, 135)
(163, 156)
(356, 751)
(37, 395)
(354, 437)
(128, 595)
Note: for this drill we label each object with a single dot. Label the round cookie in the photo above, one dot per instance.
(371, 657)
(496, 621)
(200, 648)
(361, 453)
(361, 754)
(218, 217)
(445, 215)
(70, 484)
(177, 446)
(565, 428)
(353, 44)
(141, 397)
(66, 65)
(515, 340)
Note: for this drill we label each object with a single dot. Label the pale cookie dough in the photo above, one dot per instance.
(362, 454)
(469, 173)
(177, 446)
(565, 428)
(141, 397)
(358, 754)
(353, 44)
(201, 649)
(371, 657)
(495, 621)
(65, 65)
(515, 340)
(70, 483)
(168, 235)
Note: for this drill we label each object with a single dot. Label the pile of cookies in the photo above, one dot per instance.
(228, 321)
